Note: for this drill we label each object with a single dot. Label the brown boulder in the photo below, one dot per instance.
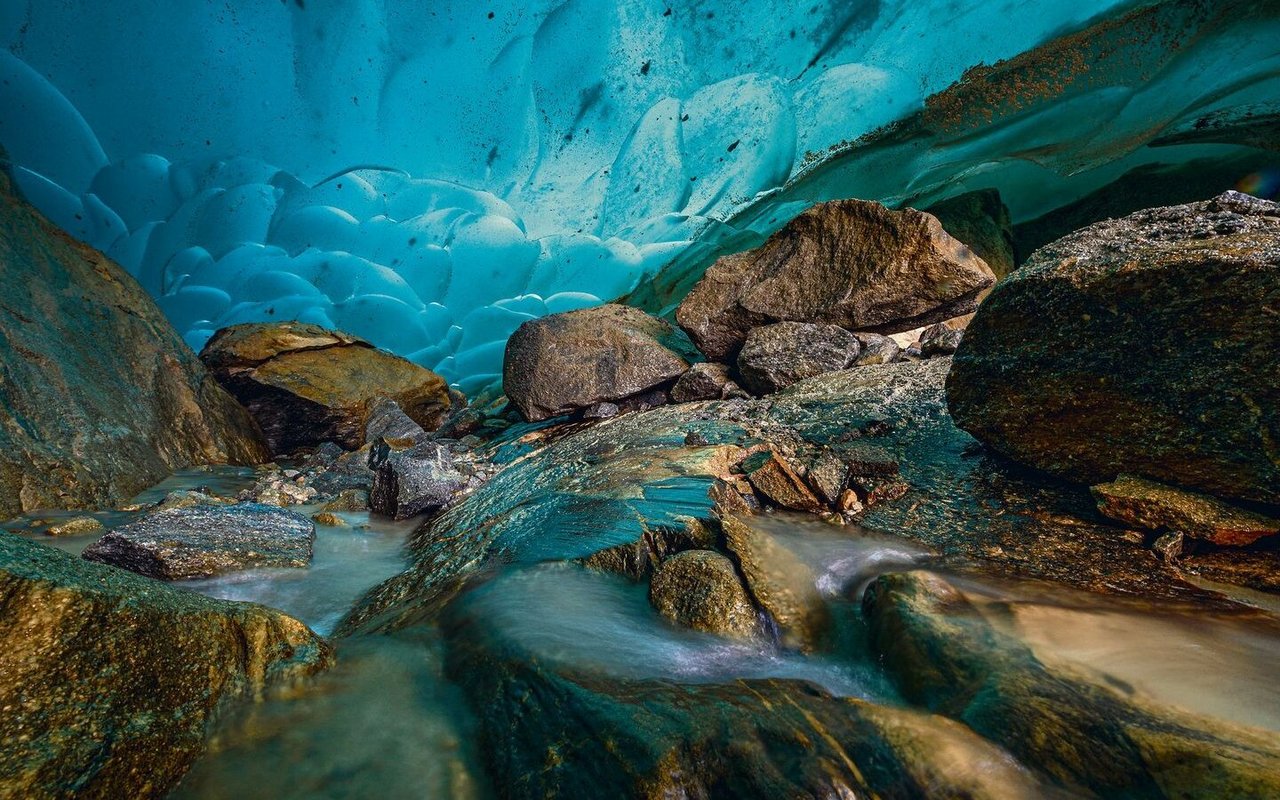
(100, 397)
(566, 362)
(1142, 346)
(849, 263)
(306, 385)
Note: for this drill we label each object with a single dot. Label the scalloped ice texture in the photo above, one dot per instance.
(532, 157)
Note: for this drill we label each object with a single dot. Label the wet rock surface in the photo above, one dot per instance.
(700, 589)
(571, 361)
(306, 385)
(775, 356)
(1177, 380)
(1087, 735)
(203, 540)
(849, 263)
(109, 679)
(579, 734)
(101, 398)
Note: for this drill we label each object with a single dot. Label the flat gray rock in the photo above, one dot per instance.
(202, 541)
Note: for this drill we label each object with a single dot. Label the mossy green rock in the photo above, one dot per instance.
(107, 679)
(1144, 346)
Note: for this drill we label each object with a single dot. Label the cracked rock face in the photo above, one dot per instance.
(203, 540)
(849, 263)
(306, 385)
(1143, 346)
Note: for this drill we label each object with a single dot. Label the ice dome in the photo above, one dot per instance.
(431, 174)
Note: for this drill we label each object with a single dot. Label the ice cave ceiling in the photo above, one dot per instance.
(430, 173)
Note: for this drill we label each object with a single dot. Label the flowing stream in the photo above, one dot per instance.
(387, 719)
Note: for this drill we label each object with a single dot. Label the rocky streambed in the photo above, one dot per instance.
(786, 546)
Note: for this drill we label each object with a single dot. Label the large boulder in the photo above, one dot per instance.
(204, 540)
(775, 356)
(849, 263)
(108, 680)
(571, 361)
(1144, 345)
(306, 385)
(100, 396)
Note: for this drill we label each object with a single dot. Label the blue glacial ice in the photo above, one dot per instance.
(429, 174)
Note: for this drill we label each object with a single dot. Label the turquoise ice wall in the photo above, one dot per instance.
(430, 174)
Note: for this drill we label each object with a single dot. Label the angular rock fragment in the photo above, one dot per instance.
(940, 340)
(700, 589)
(566, 362)
(1156, 507)
(1144, 345)
(773, 477)
(201, 541)
(414, 480)
(388, 421)
(306, 385)
(849, 263)
(775, 356)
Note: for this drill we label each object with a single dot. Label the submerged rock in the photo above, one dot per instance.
(775, 356)
(566, 362)
(108, 680)
(306, 385)
(1156, 507)
(700, 589)
(77, 526)
(849, 263)
(1074, 726)
(100, 397)
(1144, 345)
(204, 540)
